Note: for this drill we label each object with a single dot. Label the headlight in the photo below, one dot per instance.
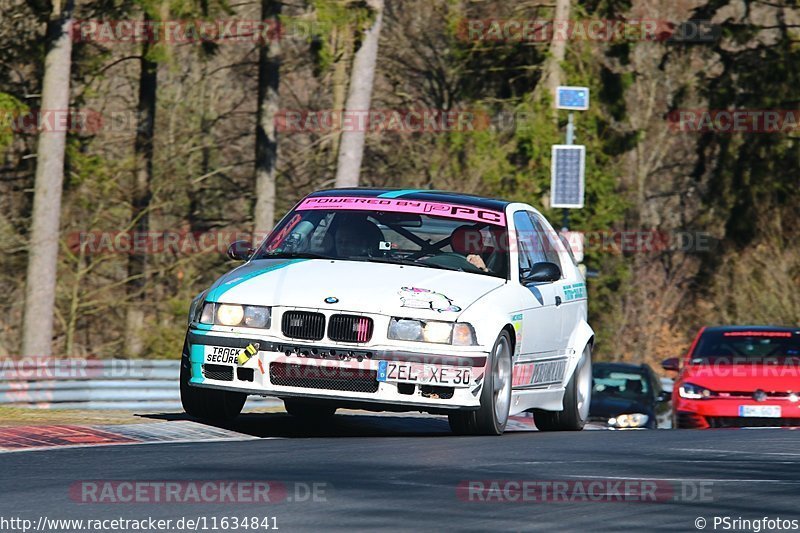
(433, 331)
(405, 330)
(464, 335)
(438, 332)
(248, 316)
(256, 317)
(230, 315)
(694, 392)
(633, 420)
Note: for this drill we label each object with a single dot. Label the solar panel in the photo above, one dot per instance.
(573, 98)
(567, 175)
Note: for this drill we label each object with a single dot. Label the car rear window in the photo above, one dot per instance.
(619, 384)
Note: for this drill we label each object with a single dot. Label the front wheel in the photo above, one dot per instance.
(577, 397)
(492, 416)
(208, 404)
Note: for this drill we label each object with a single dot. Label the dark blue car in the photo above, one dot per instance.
(627, 396)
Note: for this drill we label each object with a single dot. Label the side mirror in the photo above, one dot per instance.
(672, 364)
(240, 251)
(664, 397)
(543, 272)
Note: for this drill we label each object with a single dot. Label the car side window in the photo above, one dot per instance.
(656, 381)
(528, 241)
(550, 241)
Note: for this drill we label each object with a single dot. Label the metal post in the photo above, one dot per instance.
(570, 140)
(570, 130)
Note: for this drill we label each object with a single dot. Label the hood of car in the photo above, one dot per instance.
(353, 286)
(744, 377)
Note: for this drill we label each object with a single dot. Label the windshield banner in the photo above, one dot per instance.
(363, 203)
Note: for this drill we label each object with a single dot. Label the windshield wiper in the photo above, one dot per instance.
(293, 255)
(404, 261)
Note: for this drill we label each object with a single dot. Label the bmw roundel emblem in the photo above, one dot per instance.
(331, 300)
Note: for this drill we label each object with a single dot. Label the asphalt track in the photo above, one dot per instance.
(402, 473)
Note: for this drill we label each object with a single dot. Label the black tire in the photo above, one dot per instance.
(311, 411)
(576, 402)
(492, 416)
(208, 404)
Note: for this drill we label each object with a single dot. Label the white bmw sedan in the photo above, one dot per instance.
(397, 300)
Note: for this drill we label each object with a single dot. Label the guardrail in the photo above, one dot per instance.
(126, 384)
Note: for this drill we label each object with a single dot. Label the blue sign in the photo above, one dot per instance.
(573, 98)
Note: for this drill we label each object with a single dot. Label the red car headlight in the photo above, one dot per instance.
(690, 391)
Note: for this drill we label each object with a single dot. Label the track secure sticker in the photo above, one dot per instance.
(230, 356)
(225, 356)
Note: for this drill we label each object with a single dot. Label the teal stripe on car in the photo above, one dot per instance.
(216, 293)
(196, 360)
(196, 354)
(398, 194)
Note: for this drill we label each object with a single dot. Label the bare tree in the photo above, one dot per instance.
(351, 149)
(558, 50)
(142, 179)
(40, 290)
(269, 63)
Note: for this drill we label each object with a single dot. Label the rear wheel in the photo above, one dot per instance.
(576, 400)
(306, 410)
(208, 404)
(492, 416)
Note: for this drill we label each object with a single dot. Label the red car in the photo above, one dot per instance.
(738, 376)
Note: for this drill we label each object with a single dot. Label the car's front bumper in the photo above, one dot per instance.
(343, 374)
(726, 412)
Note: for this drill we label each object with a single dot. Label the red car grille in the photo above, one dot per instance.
(749, 395)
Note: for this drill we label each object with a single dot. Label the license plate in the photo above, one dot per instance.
(766, 411)
(424, 374)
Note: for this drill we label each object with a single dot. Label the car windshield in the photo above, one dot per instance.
(742, 346)
(442, 241)
(611, 383)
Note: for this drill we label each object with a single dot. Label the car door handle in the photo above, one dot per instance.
(558, 301)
